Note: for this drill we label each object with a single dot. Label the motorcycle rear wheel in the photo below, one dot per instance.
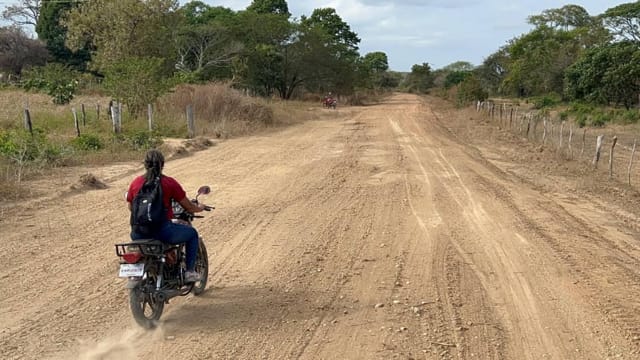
(145, 309)
(202, 268)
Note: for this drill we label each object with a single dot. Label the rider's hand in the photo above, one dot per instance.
(200, 207)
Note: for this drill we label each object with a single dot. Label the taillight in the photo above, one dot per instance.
(131, 257)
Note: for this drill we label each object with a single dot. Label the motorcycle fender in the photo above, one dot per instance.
(132, 282)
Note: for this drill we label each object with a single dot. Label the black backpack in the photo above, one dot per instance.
(147, 209)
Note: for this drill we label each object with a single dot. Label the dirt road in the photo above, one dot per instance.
(372, 233)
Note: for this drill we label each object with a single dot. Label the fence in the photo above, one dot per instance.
(590, 146)
(115, 116)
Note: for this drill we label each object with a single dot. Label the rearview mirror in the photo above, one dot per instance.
(204, 190)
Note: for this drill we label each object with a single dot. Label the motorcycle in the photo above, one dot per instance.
(156, 270)
(329, 102)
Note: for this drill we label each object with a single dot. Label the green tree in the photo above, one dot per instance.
(199, 13)
(336, 66)
(376, 61)
(607, 74)
(53, 33)
(420, 79)
(121, 29)
(136, 81)
(624, 21)
(565, 18)
(493, 71)
(278, 7)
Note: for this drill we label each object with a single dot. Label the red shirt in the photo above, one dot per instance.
(171, 189)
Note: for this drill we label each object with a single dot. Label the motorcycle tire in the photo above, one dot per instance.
(146, 310)
(202, 267)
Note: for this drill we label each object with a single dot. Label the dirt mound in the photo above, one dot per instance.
(89, 182)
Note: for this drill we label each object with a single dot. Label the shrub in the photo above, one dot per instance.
(546, 101)
(630, 116)
(600, 119)
(87, 142)
(143, 140)
(56, 80)
(581, 120)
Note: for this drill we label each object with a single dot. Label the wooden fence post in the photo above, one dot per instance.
(191, 131)
(596, 158)
(561, 136)
(150, 116)
(584, 139)
(84, 115)
(570, 140)
(97, 111)
(633, 154)
(114, 118)
(544, 131)
(75, 121)
(27, 121)
(613, 145)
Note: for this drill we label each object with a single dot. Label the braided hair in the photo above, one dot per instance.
(153, 163)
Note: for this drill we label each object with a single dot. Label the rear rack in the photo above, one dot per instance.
(145, 247)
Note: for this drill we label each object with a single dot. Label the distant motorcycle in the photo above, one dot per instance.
(156, 270)
(329, 102)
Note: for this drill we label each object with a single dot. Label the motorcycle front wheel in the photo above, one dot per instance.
(145, 308)
(202, 268)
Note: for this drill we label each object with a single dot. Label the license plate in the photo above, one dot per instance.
(127, 270)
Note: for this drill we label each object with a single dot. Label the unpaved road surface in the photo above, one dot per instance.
(370, 233)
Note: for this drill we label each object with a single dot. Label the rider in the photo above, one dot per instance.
(169, 232)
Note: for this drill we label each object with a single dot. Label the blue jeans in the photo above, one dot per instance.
(174, 234)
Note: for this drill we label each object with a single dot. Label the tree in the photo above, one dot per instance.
(25, 13)
(459, 66)
(339, 32)
(607, 74)
(376, 61)
(136, 81)
(199, 13)
(53, 34)
(120, 29)
(205, 51)
(278, 7)
(336, 67)
(420, 79)
(624, 21)
(18, 51)
(565, 18)
(493, 70)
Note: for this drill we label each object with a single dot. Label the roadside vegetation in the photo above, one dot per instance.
(244, 71)
(584, 67)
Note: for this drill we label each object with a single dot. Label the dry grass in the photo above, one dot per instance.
(219, 110)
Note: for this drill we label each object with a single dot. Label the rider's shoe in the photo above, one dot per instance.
(192, 276)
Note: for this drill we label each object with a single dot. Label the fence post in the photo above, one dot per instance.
(97, 111)
(114, 118)
(150, 116)
(75, 121)
(84, 115)
(584, 139)
(633, 154)
(613, 145)
(570, 140)
(191, 131)
(561, 136)
(27, 121)
(596, 158)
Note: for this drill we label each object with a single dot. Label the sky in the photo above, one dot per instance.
(437, 32)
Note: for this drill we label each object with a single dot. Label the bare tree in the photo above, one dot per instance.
(25, 13)
(18, 51)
